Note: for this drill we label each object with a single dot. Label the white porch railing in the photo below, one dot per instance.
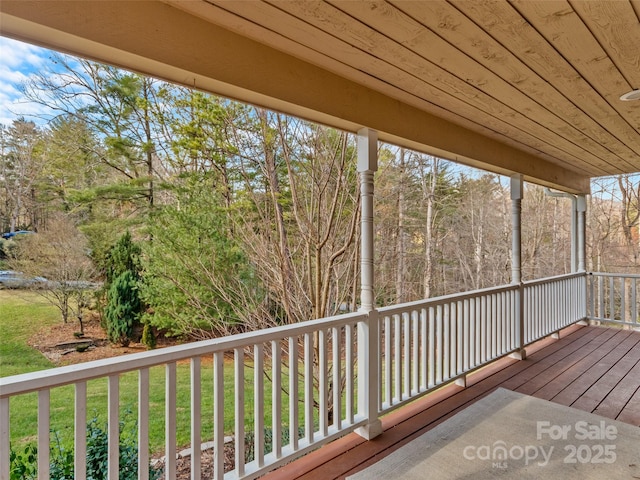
(422, 345)
(614, 298)
(428, 343)
(298, 362)
(553, 303)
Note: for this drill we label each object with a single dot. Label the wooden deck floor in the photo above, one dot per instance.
(594, 369)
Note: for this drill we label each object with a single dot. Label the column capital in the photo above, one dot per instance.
(367, 150)
(517, 187)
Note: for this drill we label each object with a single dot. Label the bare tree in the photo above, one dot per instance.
(59, 254)
(301, 228)
(630, 213)
(21, 162)
(429, 186)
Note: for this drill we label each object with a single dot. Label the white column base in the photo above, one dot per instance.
(462, 381)
(370, 431)
(519, 355)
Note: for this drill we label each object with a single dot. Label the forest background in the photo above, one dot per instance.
(238, 218)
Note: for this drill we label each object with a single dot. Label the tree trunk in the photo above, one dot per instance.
(478, 250)
(285, 262)
(428, 240)
(401, 240)
(149, 148)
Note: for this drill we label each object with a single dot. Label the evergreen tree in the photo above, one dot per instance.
(197, 277)
(123, 256)
(123, 303)
(123, 308)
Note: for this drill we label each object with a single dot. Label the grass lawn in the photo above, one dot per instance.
(24, 313)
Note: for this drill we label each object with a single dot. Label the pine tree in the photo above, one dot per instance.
(124, 305)
(123, 256)
(123, 308)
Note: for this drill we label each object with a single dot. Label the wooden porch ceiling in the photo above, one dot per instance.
(530, 87)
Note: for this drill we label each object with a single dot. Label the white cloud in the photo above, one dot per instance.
(15, 53)
(18, 62)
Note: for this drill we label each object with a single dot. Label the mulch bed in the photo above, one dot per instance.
(183, 464)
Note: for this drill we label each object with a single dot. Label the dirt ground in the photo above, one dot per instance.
(57, 343)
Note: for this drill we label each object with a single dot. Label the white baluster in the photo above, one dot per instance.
(337, 378)
(170, 419)
(80, 431)
(143, 424)
(113, 424)
(4, 438)
(43, 435)
(218, 415)
(258, 403)
(238, 363)
(276, 398)
(196, 405)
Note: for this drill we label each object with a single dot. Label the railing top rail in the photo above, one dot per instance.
(56, 377)
(556, 278)
(392, 309)
(614, 275)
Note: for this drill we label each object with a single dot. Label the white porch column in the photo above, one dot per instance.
(582, 244)
(517, 190)
(367, 166)
(581, 210)
(575, 246)
(516, 228)
(368, 332)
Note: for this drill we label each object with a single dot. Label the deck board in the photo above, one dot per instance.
(545, 377)
(594, 369)
(591, 399)
(580, 378)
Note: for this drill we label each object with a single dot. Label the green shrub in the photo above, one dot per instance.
(24, 465)
(148, 337)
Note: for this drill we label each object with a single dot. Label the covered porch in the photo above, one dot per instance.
(402, 369)
(531, 90)
(589, 368)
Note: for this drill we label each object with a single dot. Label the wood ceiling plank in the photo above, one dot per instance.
(556, 21)
(243, 18)
(445, 89)
(258, 20)
(156, 39)
(246, 26)
(471, 39)
(402, 28)
(506, 26)
(617, 28)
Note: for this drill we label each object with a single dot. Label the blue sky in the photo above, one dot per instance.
(18, 61)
